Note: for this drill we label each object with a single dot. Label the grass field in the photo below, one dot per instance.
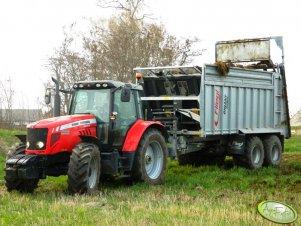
(207, 195)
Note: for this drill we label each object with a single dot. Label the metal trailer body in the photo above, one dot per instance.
(205, 110)
(244, 101)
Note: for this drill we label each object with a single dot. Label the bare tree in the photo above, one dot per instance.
(115, 46)
(187, 51)
(67, 66)
(132, 7)
(6, 98)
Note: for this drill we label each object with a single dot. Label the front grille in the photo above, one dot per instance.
(35, 135)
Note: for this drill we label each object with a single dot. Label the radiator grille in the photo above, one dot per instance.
(35, 135)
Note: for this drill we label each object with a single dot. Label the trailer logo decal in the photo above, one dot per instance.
(216, 107)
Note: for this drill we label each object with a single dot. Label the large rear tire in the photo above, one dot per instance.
(150, 159)
(272, 150)
(84, 169)
(26, 186)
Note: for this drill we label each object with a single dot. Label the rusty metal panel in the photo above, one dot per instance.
(245, 50)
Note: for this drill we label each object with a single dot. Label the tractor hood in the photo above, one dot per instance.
(63, 122)
(59, 134)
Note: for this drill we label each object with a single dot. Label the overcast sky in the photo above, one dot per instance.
(31, 29)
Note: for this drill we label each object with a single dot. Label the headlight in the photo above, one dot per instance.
(27, 144)
(39, 145)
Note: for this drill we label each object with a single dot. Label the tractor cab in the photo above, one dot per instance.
(115, 105)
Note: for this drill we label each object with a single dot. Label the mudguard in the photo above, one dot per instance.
(136, 132)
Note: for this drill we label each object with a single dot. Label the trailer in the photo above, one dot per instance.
(236, 107)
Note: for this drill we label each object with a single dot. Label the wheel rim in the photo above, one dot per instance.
(92, 174)
(153, 160)
(275, 153)
(256, 155)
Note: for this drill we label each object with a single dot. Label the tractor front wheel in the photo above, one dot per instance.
(84, 169)
(150, 159)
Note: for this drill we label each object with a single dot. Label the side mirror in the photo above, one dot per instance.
(47, 97)
(125, 94)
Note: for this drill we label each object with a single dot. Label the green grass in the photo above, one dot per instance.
(293, 145)
(207, 195)
(9, 136)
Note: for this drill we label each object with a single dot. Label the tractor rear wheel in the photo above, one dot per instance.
(26, 186)
(150, 159)
(84, 169)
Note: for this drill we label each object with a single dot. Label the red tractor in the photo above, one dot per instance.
(104, 134)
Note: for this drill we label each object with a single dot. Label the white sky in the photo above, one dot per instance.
(31, 29)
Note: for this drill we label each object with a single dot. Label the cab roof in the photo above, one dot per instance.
(104, 84)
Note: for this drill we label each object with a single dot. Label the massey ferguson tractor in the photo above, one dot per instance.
(198, 115)
(104, 134)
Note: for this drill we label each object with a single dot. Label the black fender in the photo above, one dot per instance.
(22, 138)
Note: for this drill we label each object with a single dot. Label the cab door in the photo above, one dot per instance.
(124, 114)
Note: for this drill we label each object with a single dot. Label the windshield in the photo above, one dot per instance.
(91, 101)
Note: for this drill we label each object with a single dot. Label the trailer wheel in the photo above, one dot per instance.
(84, 169)
(272, 150)
(26, 186)
(150, 159)
(254, 153)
